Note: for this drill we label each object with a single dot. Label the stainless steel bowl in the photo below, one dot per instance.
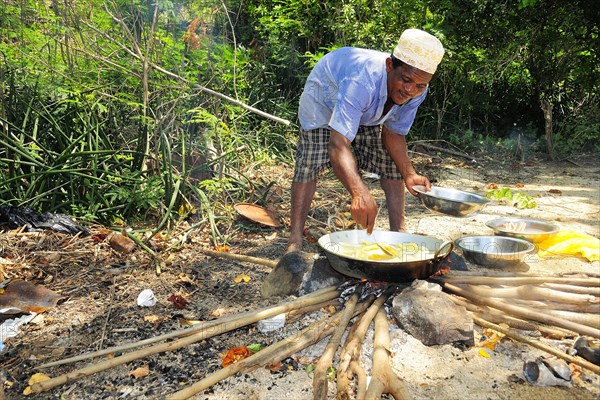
(532, 230)
(454, 202)
(494, 251)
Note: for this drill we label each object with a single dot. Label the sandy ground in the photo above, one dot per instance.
(567, 195)
(109, 289)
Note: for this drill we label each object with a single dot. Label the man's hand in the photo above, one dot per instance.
(364, 210)
(416, 179)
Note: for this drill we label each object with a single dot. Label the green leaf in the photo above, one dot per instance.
(255, 347)
(309, 369)
(331, 371)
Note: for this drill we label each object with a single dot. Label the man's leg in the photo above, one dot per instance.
(302, 195)
(395, 197)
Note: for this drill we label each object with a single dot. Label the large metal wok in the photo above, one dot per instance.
(383, 270)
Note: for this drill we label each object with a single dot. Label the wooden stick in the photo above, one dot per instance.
(320, 373)
(316, 297)
(525, 312)
(551, 305)
(511, 333)
(240, 258)
(295, 314)
(271, 354)
(531, 292)
(517, 280)
(497, 317)
(591, 320)
(200, 333)
(351, 349)
(594, 291)
(361, 379)
(383, 379)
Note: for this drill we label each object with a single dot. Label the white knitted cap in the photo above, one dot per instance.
(419, 49)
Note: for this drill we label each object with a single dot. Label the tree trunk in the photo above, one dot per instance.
(546, 106)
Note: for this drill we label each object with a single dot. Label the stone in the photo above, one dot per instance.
(429, 315)
(299, 273)
(121, 243)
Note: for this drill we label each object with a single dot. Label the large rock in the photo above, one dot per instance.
(299, 273)
(426, 313)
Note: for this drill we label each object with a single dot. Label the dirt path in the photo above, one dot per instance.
(100, 288)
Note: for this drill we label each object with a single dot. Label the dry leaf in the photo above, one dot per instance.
(178, 301)
(140, 372)
(242, 277)
(493, 338)
(184, 278)
(218, 312)
(330, 309)
(310, 238)
(35, 378)
(492, 186)
(274, 367)
(519, 185)
(189, 322)
(554, 191)
(155, 320)
(224, 249)
(23, 296)
(234, 355)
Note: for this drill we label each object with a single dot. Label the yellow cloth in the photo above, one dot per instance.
(570, 243)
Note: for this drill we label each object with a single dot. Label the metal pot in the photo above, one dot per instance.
(384, 270)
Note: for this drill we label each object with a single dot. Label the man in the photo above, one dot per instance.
(355, 111)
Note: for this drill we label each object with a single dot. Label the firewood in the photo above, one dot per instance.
(361, 379)
(295, 314)
(497, 317)
(591, 320)
(320, 373)
(383, 379)
(531, 292)
(194, 334)
(272, 354)
(551, 305)
(461, 277)
(240, 258)
(511, 333)
(594, 291)
(351, 349)
(524, 312)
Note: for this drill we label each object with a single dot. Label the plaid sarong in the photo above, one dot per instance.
(312, 157)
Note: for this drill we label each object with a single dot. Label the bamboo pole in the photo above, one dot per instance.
(497, 317)
(351, 349)
(524, 312)
(551, 305)
(594, 291)
(200, 333)
(384, 380)
(320, 373)
(516, 280)
(511, 333)
(271, 354)
(361, 379)
(316, 297)
(531, 292)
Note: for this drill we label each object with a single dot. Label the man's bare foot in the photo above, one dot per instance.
(293, 247)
